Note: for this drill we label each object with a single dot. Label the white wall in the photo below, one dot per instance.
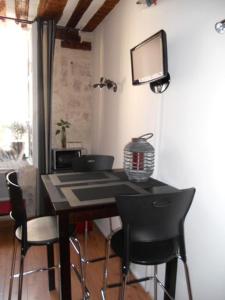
(187, 120)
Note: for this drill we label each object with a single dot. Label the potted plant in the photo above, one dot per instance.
(18, 130)
(63, 125)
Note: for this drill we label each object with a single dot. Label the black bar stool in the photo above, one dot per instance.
(152, 234)
(35, 232)
(90, 163)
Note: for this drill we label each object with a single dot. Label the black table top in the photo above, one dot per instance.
(72, 191)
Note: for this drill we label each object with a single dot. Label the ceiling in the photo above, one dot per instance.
(72, 16)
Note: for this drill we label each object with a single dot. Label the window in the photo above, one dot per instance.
(15, 99)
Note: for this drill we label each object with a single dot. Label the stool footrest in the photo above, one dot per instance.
(35, 271)
(97, 259)
(114, 285)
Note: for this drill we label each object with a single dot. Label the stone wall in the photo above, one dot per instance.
(72, 94)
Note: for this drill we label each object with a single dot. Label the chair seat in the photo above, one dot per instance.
(40, 230)
(146, 253)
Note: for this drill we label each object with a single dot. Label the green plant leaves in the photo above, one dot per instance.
(63, 125)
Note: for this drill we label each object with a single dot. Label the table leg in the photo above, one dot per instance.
(64, 254)
(51, 273)
(170, 278)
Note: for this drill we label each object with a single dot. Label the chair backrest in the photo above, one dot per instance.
(92, 163)
(16, 198)
(155, 217)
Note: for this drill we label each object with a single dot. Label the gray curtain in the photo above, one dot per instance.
(45, 56)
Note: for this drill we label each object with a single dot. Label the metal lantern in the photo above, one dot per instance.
(139, 158)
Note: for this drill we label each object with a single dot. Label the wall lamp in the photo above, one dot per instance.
(148, 2)
(220, 27)
(104, 82)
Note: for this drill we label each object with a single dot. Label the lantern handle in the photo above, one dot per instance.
(146, 136)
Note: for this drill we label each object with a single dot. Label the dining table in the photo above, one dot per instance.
(80, 196)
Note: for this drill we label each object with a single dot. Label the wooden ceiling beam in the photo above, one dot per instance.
(22, 9)
(78, 12)
(71, 39)
(76, 45)
(103, 11)
(65, 33)
(2, 8)
(51, 9)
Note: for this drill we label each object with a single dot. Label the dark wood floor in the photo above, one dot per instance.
(36, 285)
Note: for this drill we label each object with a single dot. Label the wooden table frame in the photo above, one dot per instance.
(65, 215)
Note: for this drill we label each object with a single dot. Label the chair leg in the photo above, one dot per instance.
(51, 273)
(96, 259)
(188, 281)
(82, 271)
(123, 287)
(76, 244)
(170, 279)
(105, 273)
(21, 277)
(155, 282)
(85, 249)
(12, 268)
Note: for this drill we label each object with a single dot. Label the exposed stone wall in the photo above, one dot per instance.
(72, 94)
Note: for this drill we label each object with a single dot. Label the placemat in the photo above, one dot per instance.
(81, 177)
(99, 193)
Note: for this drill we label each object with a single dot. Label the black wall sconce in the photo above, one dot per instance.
(104, 82)
(220, 27)
(147, 2)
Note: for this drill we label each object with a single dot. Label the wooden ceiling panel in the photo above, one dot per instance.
(22, 9)
(82, 13)
(103, 11)
(51, 9)
(2, 8)
(78, 12)
(76, 45)
(64, 33)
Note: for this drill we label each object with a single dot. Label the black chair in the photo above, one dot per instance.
(89, 163)
(35, 232)
(152, 234)
(41, 231)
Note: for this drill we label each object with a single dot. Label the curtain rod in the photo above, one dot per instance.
(31, 22)
(17, 20)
